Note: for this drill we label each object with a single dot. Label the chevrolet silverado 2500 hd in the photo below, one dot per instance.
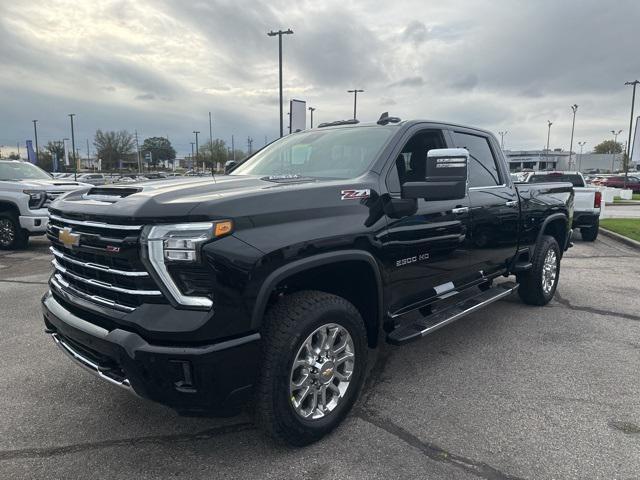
(271, 283)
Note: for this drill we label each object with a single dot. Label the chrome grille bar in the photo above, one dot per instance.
(105, 285)
(58, 282)
(97, 266)
(87, 223)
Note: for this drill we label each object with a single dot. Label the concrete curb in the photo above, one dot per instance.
(621, 238)
(624, 204)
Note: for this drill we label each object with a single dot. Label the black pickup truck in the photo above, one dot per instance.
(272, 283)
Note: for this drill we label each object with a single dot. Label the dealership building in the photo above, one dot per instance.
(558, 159)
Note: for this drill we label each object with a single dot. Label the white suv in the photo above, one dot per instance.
(25, 193)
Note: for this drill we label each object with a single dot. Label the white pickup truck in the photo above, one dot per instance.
(587, 200)
(25, 194)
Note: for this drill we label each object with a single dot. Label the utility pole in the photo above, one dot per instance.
(88, 160)
(197, 153)
(249, 144)
(633, 100)
(233, 148)
(312, 109)
(73, 147)
(613, 148)
(355, 99)
(574, 108)
(211, 146)
(138, 153)
(35, 134)
(279, 34)
(192, 144)
(581, 144)
(502, 134)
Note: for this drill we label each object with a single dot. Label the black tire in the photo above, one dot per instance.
(591, 233)
(286, 326)
(12, 236)
(531, 288)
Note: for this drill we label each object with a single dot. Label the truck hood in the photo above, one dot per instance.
(199, 198)
(51, 185)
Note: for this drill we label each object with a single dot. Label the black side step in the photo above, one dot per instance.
(416, 329)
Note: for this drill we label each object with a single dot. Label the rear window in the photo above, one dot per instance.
(575, 180)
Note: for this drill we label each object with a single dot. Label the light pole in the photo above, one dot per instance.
(355, 99)
(196, 167)
(633, 99)
(35, 134)
(613, 147)
(574, 108)
(279, 34)
(73, 148)
(312, 109)
(197, 153)
(581, 144)
(549, 123)
(502, 134)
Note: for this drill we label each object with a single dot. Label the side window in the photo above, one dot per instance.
(411, 162)
(483, 170)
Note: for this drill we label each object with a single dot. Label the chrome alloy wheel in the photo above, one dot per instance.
(549, 271)
(7, 232)
(321, 371)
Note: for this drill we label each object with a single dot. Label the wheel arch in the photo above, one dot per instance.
(557, 226)
(7, 206)
(313, 273)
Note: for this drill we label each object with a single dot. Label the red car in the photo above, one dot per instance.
(633, 183)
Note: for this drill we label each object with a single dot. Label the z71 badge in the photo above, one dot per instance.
(355, 194)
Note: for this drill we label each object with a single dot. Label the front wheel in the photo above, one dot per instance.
(12, 236)
(314, 360)
(538, 284)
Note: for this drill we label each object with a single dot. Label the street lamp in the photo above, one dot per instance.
(574, 108)
(312, 109)
(502, 134)
(581, 144)
(279, 34)
(35, 134)
(613, 147)
(355, 99)
(73, 148)
(633, 99)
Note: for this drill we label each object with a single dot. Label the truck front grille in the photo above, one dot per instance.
(100, 263)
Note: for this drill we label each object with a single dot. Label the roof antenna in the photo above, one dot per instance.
(385, 119)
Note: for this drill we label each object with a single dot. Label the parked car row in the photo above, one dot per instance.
(108, 178)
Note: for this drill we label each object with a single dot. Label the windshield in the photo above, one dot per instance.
(334, 153)
(575, 179)
(22, 171)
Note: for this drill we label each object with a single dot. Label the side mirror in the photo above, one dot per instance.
(229, 165)
(446, 176)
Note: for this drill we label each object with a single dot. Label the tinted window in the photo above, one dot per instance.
(483, 170)
(576, 180)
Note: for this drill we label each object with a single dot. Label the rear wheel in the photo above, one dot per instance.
(12, 236)
(314, 360)
(591, 233)
(538, 284)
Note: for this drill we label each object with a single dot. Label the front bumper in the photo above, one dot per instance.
(34, 224)
(213, 378)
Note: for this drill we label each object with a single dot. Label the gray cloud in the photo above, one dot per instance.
(416, 81)
(415, 32)
(145, 96)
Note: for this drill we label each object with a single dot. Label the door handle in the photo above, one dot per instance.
(511, 203)
(459, 210)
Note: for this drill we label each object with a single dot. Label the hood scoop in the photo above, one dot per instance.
(110, 194)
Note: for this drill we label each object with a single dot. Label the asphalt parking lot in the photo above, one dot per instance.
(509, 392)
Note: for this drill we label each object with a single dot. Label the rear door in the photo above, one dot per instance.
(493, 200)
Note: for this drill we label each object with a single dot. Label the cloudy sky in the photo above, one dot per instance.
(159, 66)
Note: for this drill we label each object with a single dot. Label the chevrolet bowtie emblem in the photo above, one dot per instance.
(68, 238)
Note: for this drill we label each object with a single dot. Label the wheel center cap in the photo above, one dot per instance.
(326, 372)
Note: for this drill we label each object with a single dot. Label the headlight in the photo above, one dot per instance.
(181, 243)
(37, 198)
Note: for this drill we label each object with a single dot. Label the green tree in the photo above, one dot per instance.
(112, 147)
(214, 153)
(14, 156)
(608, 146)
(45, 156)
(160, 149)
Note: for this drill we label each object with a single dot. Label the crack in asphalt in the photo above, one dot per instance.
(149, 440)
(23, 282)
(566, 303)
(432, 450)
